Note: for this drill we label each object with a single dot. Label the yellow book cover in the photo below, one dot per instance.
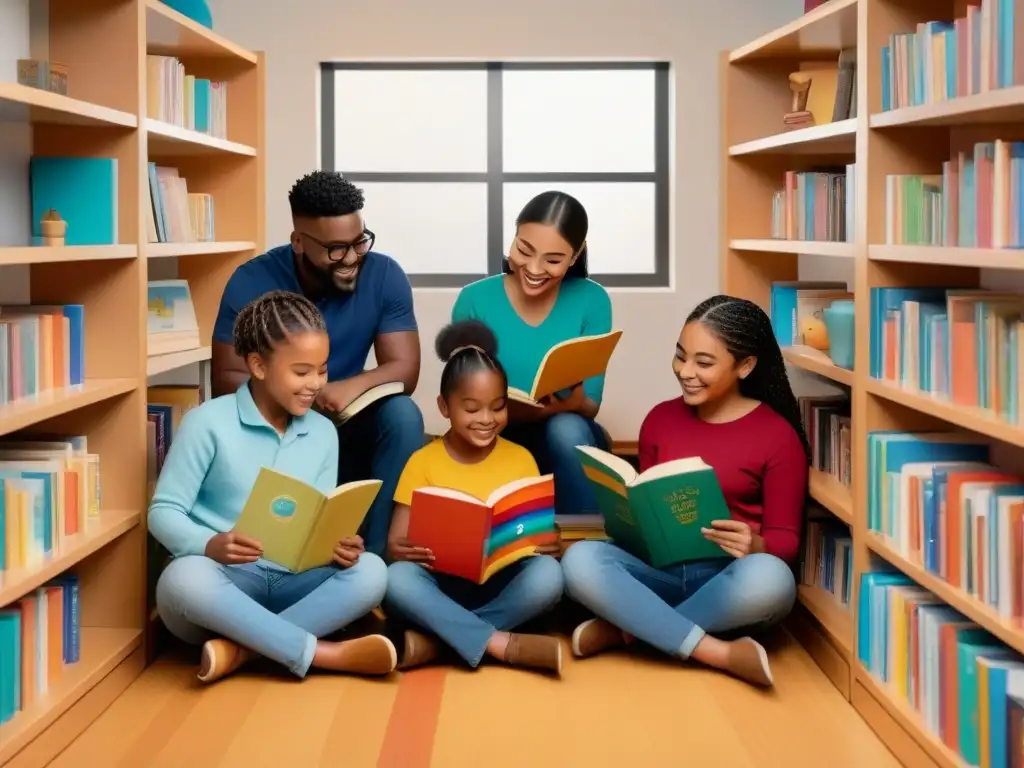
(568, 364)
(297, 525)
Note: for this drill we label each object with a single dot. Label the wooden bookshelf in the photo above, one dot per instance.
(912, 140)
(105, 116)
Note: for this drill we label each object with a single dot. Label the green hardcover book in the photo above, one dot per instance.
(656, 515)
(298, 525)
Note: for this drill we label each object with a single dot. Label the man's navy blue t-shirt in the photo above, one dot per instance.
(381, 303)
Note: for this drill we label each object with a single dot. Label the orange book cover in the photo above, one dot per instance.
(569, 363)
(954, 522)
(54, 633)
(71, 502)
(474, 538)
(949, 697)
(28, 651)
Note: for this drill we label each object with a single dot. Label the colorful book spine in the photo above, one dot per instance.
(943, 60)
(174, 97)
(828, 558)
(975, 202)
(828, 428)
(176, 215)
(42, 348)
(815, 205)
(965, 685)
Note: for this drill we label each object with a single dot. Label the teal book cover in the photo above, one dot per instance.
(83, 190)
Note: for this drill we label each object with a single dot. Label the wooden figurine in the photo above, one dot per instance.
(53, 228)
(800, 85)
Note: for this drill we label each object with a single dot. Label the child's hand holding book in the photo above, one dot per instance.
(403, 549)
(233, 549)
(348, 550)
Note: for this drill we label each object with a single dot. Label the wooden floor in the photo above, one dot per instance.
(607, 711)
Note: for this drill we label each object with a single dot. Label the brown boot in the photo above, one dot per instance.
(220, 658)
(594, 636)
(534, 651)
(748, 661)
(420, 649)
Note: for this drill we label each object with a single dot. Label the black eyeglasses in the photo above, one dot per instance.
(338, 251)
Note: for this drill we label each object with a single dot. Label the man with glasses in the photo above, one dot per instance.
(366, 300)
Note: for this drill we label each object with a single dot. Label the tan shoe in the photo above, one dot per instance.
(594, 636)
(535, 651)
(749, 661)
(368, 655)
(420, 649)
(220, 658)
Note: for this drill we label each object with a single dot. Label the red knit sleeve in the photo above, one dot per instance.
(784, 497)
(648, 445)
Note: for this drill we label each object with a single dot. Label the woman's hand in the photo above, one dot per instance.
(403, 549)
(347, 551)
(572, 404)
(734, 536)
(233, 549)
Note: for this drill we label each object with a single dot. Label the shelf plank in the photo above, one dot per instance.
(167, 250)
(173, 140)
(169, 33)
(55, 255)
(813, 361)
(103, 648)
(832, 495)
(982, 258)
(974, 419)
(1009, 631)
(827, 29)
(34, 105)
(796, 247)
(47, 405)
(831, 138)
(111, 525)
(157, 364)
(831, 615)
(1005, 105)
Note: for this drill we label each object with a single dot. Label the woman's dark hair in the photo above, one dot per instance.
(467, 347)
(745, 330)
(265, 322)
(566, 214)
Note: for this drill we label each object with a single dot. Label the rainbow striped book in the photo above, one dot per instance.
(475, 538)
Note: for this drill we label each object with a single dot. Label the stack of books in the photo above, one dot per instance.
(42, 348)
(176, 215)
(185, 100)
(573, 528)
(828, 557)
(815, 205)
(826, 422)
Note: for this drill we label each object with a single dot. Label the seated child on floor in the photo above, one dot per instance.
(473, 619)
(218, 591)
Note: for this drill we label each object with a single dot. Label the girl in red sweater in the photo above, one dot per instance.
(738, 413)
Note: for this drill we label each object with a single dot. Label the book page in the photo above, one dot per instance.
(339, 518)
(517, 485)
(619, 467)
(573, 362)
(671, 468)
(368, 398)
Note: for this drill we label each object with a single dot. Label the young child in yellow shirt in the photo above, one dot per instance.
(473, 619)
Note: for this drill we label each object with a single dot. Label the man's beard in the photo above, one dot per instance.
(327, 279)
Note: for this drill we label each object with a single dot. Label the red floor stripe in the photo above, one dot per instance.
(409, 738)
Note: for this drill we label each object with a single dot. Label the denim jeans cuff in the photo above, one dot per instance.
(306, 660)
(695, 636)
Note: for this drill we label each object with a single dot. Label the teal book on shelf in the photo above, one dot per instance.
(10, 664)
(83, 190)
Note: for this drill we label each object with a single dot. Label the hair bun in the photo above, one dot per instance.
(463, 334)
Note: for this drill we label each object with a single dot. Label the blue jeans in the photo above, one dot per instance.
(275, 613)
(376, 444)
(552, 443)
(464, 614)
(671, 609)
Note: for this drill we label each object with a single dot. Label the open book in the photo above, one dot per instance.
(366, 399)
(475, 539)
(656, 515)
(568, 364)
(298, 525)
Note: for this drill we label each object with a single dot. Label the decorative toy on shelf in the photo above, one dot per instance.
(54, 229)
(814, 332)
(45, 75)
(800, 84)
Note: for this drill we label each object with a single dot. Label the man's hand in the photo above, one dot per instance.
(233, 549)
(347, 551)
(336, 396)
(403, 549)
(571, 404)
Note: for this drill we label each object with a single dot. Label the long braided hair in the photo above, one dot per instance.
(745, 330)
(267, 321)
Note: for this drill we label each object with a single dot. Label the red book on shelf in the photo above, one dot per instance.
(810, 5)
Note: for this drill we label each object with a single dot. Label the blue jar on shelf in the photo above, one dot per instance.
(839, 322)
(197, 10)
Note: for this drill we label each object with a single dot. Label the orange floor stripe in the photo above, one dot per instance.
(409, 738)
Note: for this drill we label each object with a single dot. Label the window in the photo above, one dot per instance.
(448, 153)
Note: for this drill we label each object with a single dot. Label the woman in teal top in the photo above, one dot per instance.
(543, 298)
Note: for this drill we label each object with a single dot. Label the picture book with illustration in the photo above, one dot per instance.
(475, 538)
(656, 515)
(568, 364)
(297, 525)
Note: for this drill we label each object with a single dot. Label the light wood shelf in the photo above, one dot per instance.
(913, 140)
(105, 116)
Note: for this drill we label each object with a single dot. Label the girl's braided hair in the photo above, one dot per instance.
(267, 321)
(466, 347)
(745, 330)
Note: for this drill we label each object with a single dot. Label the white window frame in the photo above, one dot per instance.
(495, 177)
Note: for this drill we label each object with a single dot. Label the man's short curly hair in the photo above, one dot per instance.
(323, 194)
